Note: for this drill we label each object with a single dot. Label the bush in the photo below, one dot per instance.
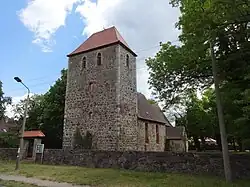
(82, 142)
(8, 140)
(246, 144)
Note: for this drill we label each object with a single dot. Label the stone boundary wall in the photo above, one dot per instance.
(8, 153)
(192, 163)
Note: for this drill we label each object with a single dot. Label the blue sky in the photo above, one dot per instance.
(37, 35)
(20, 57)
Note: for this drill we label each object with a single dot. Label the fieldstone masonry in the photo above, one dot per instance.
(152, 144)
(191, 163)
(102, 99)
(8, 153)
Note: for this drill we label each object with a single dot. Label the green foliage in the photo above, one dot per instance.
(78, 139)
(52, 114)
(88, 140)
(177, 70)
(152, 101)
(199, 119)
(8, 139)
(116, 177)
(82, 142)
(3, 101)
(46, 112)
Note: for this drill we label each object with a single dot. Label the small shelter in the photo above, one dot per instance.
(31, 140)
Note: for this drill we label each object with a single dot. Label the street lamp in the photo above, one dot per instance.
(20, 149)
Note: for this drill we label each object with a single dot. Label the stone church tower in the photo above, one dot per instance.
(101, 94)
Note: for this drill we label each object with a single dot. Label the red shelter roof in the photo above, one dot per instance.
(101, 39)
(33, 134)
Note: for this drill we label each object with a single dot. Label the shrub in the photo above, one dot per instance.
(82, 142)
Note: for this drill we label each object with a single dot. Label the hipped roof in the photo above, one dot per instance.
(101, 39)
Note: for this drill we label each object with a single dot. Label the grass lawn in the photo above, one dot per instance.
(115, 177)
(14, 184)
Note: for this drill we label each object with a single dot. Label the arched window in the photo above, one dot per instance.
(157, 134)
(90, 115)
(84, 62)
(127, 60)
(146, 133)
(99, 59)
(91, 86)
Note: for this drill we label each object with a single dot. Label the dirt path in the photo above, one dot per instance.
(38, 182)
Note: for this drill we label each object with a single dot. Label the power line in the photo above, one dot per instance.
(35, 85)
(57, 75)
(155, 46)
(142, 50)
(42, 78)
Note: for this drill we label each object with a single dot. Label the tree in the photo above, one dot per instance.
(177, 69)
(53, 112)
(198, 119)
(8, 139)
(3, 101)
(78, 139)
(46, 112)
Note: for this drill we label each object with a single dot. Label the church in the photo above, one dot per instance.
(101, 98)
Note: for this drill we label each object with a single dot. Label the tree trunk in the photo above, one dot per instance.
(224, 143)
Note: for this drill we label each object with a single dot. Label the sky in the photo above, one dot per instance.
(37, 35)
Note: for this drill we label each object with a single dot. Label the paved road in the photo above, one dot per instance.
(38, 182)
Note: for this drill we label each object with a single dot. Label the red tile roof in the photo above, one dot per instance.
(31, 134)
(100, 39)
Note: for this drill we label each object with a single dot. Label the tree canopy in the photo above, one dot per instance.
(46, 112)
(176, 71)
(3, 102)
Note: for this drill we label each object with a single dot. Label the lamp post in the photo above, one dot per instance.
(19, 152)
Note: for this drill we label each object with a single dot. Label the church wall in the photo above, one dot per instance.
(128, 100)
(177, 145)
(151, 145)
(92, 99)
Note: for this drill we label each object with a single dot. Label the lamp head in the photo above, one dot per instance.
(17, 79)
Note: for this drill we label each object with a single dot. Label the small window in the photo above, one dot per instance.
(90, 115)
(99, 59)
(91, 86)
(84, 61)
(146, 133)
(157, 134)
(127, 61)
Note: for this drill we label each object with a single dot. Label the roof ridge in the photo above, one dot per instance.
(104, 29)
(119, 37)
(105, 37)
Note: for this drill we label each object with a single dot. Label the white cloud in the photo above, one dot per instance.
(44, 18)
(142, 23)
(9, 109)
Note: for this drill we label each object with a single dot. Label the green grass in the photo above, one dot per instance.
(15, 184)
(115, 177)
